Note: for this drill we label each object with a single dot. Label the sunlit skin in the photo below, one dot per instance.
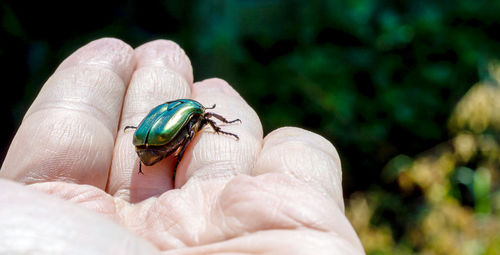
(70, 183)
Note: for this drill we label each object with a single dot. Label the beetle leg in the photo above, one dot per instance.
(219, 117)
(140, 170)
(128, 127)
(181, 152)
(218, 130)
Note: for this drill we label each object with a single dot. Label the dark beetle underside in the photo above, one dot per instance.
(151, 155)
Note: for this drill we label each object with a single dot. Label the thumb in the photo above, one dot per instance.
(33, 221)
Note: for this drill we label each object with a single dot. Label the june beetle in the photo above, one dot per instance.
(170, 127)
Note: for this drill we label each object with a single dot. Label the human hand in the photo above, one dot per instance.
(281, 194)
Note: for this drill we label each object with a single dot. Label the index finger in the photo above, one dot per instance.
(68, 132)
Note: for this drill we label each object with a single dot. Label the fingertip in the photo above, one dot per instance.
(287, 134)
(214, 85)
(165, 53)
(304, 155)
(108, 53)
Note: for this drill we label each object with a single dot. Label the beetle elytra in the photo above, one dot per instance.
(169, 128)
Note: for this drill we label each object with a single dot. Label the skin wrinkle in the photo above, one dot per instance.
(214, 171)
(285, 134)
(88, 199)
(303, 219)
(246, 196)
(231, 157)
(224, 149)
(278, 210)
(308, 156)
(177, 205)
(198, 214)
(230, 200)
(124, 165)
(85, 195)
(310, 159)
(58, 139)
(302, 242)
(159, 76)
(229, 238)
(208, 163)
(71, 100)
(217, 218)
(64, 133)
(81, 137)
(127, 214)
(121, 208)
(210, 197)
(86, 148)
(48, 152)
(166, 228)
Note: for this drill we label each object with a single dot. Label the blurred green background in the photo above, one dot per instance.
(407, 91)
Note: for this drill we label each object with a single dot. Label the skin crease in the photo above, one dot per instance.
(69, 181)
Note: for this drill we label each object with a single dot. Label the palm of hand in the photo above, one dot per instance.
(279, 195)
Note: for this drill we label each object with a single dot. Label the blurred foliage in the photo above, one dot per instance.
(380, 79)
(449, 196)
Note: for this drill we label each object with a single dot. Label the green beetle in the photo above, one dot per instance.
(169, 128)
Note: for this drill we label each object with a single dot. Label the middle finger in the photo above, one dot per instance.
(163, 73)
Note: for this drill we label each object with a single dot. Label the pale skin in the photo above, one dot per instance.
(70, 183)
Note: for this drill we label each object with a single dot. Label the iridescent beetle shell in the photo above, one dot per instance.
(168, 128)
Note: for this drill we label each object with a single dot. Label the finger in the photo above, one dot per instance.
(33, 221)
(280, 241)
(163, 73)
(214, 156)
(68, 132)
(304, 155)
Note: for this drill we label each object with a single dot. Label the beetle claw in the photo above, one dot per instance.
(213, 106)
(140, 168)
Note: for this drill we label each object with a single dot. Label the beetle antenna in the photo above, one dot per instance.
(129, 127)
(213, 106)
